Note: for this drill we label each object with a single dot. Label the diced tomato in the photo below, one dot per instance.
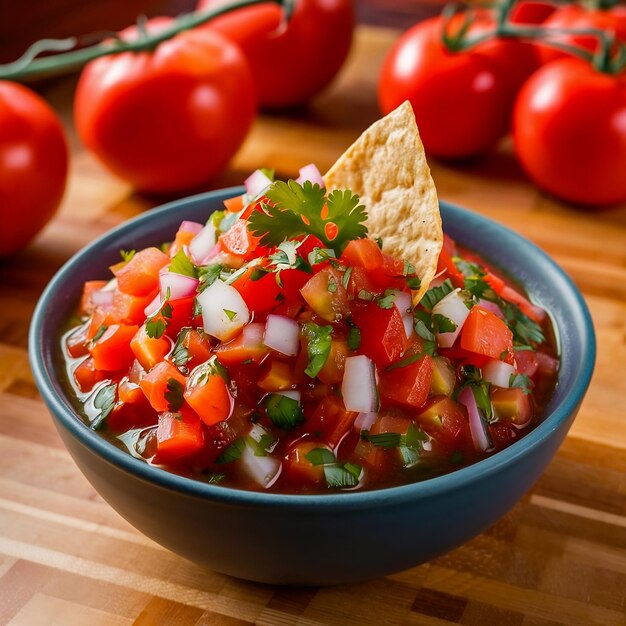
(155, 384)
(260, 295)
(443, 419)
(309, 243)
(408, 385)
(128, 308)
(87, 375)
(546, 364)
(208, 395)
(506, 292)
(326, 295)
(289, 309)
(149, 350)
(446, 264)
(459, 356)
(485, 333)
(278, 376)
(140, 276)
(99, 318)
(363, 253)
(76, 343)
(383, 338)
(332, 370)
(373, 457)
(129, 392)
(360, 280)
(177, 439)
(299, 468)
(237, 240)
(183, 238)
(112, 351)
(234, 205)
(526, 362)
(198, 346)
(248, 346)
(391, 275)
(512, 405)
(126, 415)
(293, 280)
(330, 422)
(86, 305)
(182, 312)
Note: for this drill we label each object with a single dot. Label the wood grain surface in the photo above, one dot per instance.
(559, 557)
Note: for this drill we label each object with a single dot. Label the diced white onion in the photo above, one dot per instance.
(102, 297)
(359, 385)
(364, 421)
(257, 183)
(257, 432)
(282, 334)
(224, 312)
(312, 174)
(253, 335)
(498, 373)
(492, 307)
(263, 470)
(153, 307)
(478, 428)
(190, 227)
(203, 243)
(177, 285)
(453, 307)
(404, 304)
(294, 394)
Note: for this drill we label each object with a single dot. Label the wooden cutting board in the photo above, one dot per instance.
(558, 558)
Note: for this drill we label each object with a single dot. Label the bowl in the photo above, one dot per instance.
(315, 539)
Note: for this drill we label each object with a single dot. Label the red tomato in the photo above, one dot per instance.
(408, 385)
(461, 100)
(168, 119)
(485, 333)
(577, 17)
(569, 130)
(293, 62)
(33, 165)
(531, 12)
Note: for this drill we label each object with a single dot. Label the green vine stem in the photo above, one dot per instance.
(610, 58)
(67, 59)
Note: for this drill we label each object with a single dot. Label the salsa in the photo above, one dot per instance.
(277, 347)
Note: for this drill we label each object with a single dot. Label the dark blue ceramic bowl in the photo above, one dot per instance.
(324, 539)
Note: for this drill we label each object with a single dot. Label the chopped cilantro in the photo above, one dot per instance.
(424, 325)
(232, 452)
(208, 274)
(365, 295)
(521, 381)
(214, 479)
(354, 337)
(435, 294)
(157, 323)
(383, 440)
(318, 347)
(180, 355)
(104, 401)
(345, 281)
(127, 255)
(257, 273)
(342, 475)
(319, 255)
(387, 299)
(379, 242)
(182, 265)
(99, 333)
(231, 315)
(332, 285)
(409, 269)
(413, 282)
(298, 210)
(444, 324)
(523, 328)
(174, 394)
(283, 411)
(320, 456)
(269, 172)
(407, 360)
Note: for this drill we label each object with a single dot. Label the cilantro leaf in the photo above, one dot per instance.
(127, 255)
(342, 475)
(182, 265)
(354, 335)
(174, 394)
(318, 347)
(157, 323)
(104, 401)
(387, 299)
(208, 274)
(283, 411)
(232, 452)
(99, 333)
(435, 294)
(383, 440)
(180, 355)
(345, 281)
(424, 325)
(214, 479)
(522, 381)
(320, 456)
(297, 210)
(523, 328)
(444, 324)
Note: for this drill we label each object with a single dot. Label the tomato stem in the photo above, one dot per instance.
(67, 59)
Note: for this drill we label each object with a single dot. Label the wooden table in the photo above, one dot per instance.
(558, 558)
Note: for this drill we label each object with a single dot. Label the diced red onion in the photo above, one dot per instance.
(359, 385)
(203, 243)
(492, 307)
(190, 227)
(282, 334)
(312, 174)
(224, 312)
(263, 470)
(102, 297)
(257, 183)
(253, 335)
(478, 428)
(498, 373)
(177, 285)
(153, 307)
(364, 421)
(453, 307)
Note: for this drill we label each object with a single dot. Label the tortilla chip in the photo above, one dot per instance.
(387, 168)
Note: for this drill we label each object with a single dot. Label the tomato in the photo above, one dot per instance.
(485, 333)
(177, 438)
(290, 62)
(444, 419)
(33, 165)
(363, 253)
(408, 385)
(569, 131)
(140, 276)
(578, 17)
(112, 350)
(462, 101)
(531, 12)
(168, 119)
(331, 421)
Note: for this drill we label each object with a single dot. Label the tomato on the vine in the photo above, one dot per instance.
(171, 118)
(578, 17)
(462, 100)
(33, 165)
(570, 132)
(290, 62)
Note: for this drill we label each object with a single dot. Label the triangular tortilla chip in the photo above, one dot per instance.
(387, 168)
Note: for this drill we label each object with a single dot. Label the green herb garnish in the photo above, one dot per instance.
(435, 294)
(284, 412)
(104, 401)
(182, 265)
(174, 394)
(318, 347)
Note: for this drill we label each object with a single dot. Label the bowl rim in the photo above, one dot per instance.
(67, 417)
